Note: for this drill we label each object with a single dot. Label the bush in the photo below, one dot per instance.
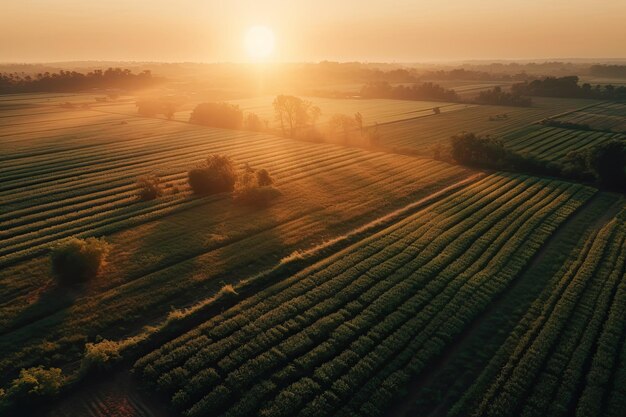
(100, 355)
(149, 187)
(253, 122)
(256, 196)
(255, 188)
(154, 107)
(264, 178)
(222, 115)
(77, 260)
(216, 176)
(36, 381)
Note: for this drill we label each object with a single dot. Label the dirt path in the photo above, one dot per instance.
(404, 405)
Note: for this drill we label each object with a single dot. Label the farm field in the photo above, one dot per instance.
(566, 355)
(553, 143)
(421, 134)
(337, 338)
(77, 177)
(607, 116)
(373, 110)
(312, 209)
(437, 390)
(380, 325)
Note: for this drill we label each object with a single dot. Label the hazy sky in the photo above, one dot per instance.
(367, 30)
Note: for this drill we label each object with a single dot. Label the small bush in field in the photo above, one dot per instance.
(217, 175)
(149, 187)
(78, 260)
(255, 188)
(36, 382)
(100, 355)
(256, 196)
(222, 115)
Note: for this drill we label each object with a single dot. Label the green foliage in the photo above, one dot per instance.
(100, 355)
(78, 260)
(223, 115)
(608, 162)
(35, 382)
(217, 175)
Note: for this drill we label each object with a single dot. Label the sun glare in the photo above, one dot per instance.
(259, 42)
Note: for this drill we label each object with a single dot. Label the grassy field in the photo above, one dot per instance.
(64, 175)
(343, 336)
(420, 134)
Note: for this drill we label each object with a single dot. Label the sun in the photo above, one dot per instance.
(259, 42)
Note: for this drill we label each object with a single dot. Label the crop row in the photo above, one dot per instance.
(539, 370)
(363, 323)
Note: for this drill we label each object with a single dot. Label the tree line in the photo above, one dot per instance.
(568, 87)
(70, 81)
(423, 91)
(604, 164)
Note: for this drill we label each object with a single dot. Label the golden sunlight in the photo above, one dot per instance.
(259, 42)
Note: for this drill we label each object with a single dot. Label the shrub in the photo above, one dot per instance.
(256, 196)
(77, 260)
(255, 188)
(149, 187)
(217, 175)
(36, 381)
(100, 355)
(253, 122)
(222, 115)
(154, 107)
(264, 178)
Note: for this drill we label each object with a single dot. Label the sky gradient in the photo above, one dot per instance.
(343, 30)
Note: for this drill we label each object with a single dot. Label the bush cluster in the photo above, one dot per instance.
(217, 175)
(223, 115)
(78, 260)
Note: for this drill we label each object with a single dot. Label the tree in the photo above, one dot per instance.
(293, 113)
(217, 175)
(253, 122)
(344, 125)
(78, 260)
(223, 115)
(608, 161)
(149, 187)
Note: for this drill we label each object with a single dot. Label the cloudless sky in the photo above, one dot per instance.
(366, 30)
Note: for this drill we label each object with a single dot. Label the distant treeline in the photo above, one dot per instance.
(470, 75)
(70, 81)
(497, 97)
(611, 71)
(604, 163)
(423, 91)
(568, 87)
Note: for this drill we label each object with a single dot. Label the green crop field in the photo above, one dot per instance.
(73, 174)
(380, 282)
(602, 116)
(553, 143)
(566, 356)
(343, 336)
